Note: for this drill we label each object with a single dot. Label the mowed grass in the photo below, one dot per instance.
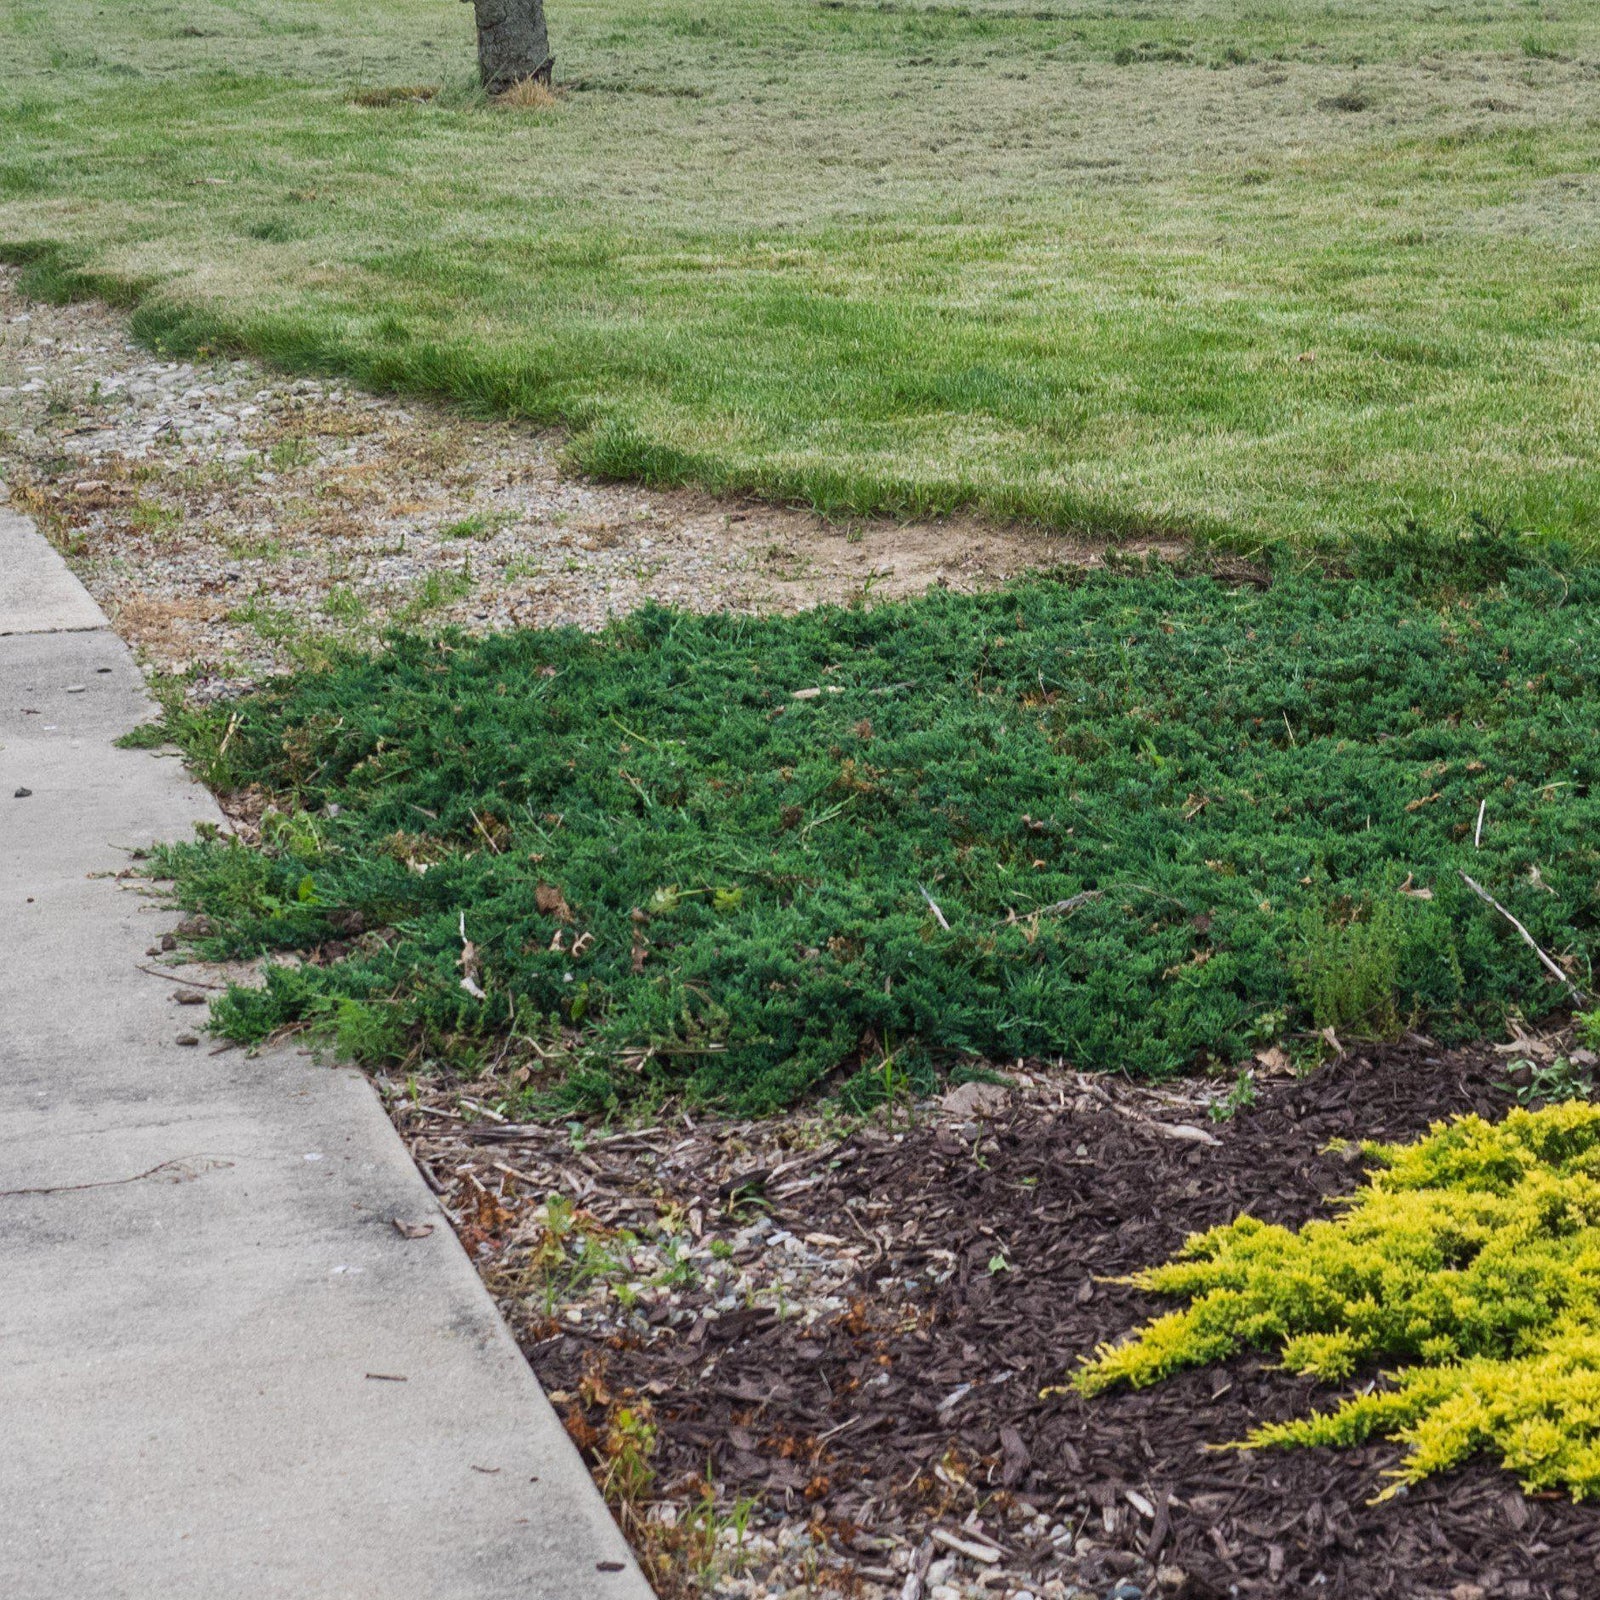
(1252, 271)
(740, 858)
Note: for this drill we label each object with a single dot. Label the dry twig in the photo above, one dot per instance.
(1527, 938)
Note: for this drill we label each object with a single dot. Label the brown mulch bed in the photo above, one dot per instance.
(920, 1402)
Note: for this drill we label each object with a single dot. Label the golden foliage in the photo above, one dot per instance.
(1471, 1259)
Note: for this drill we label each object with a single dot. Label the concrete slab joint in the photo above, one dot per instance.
(38, 593)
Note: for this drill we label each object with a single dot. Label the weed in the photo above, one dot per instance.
(146, 736)
(404, 94)
(272, 230)
(1239, 1098)
(573, 1251)
(1549, 1082)
(62, 401)
(475, 526)
(893, 1082)
(680, 1272)
(290, 452)
(274, 623)
(437, 589)
(150, 516)
(344, 605)
(622, 1446)
(1350, 969)
(629, 1449)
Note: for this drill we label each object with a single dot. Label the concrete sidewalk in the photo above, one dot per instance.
(230, 1376)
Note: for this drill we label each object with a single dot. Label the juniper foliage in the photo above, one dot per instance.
(744, 826)
(1468, 1259)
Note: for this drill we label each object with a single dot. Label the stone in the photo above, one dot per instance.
(976, 1100)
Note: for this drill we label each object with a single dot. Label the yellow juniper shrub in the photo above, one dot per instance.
(1470, 1260)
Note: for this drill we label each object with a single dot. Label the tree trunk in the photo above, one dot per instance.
(512, 43)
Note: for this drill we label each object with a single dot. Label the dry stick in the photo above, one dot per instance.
(1528, 939)
(521, 1177)
(1058, 908)
(1477, 833)
(1063, 908)
(966, 1547)
(188, 983)
(936, 911)
(872, 1239)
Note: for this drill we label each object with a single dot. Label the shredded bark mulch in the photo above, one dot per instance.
(982, 1242)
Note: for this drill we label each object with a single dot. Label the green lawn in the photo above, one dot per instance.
(1257, 270)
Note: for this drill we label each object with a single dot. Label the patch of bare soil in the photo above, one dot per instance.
(227, 517)
(837, 1336)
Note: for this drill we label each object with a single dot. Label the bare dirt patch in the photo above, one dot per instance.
(226, 516)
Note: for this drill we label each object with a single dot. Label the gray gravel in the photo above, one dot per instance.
(229, 518)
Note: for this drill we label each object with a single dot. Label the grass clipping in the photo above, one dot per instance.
(1472, 1258)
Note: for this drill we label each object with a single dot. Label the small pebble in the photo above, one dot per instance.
(187, 1039)
(22, 794)
(76, 688)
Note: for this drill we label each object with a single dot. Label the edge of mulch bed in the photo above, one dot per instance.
(990, 1228)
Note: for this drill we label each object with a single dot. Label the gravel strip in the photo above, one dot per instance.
(228, 518)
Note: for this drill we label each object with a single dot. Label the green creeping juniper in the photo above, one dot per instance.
(1470, 1261)
(1162, 820)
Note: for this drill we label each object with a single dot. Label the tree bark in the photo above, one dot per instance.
(512, 43)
